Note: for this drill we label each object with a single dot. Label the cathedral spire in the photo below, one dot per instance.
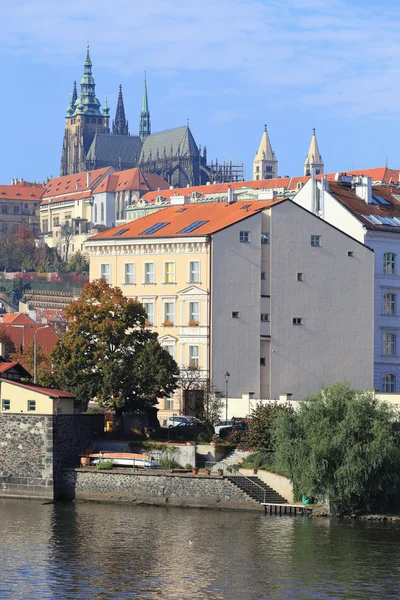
(144, 126)
(74, 97)
(265, 165)
(313, 158)
(88, 103)
(120, 124)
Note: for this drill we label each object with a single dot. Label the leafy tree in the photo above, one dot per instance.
(6, 340)
(77, 263)
(17, 291)
(26, 358)
(108, 355)
(260, 434)
(342, 445)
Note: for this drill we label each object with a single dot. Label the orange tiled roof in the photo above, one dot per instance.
(131, 179)
(20, 192)
(23, 333)
(216, 216)
(5, 366)
(59, 186)
(382, 174)
(20, 318)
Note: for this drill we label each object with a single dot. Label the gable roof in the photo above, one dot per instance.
(213, 217)
(131, 179)
(22, 330)
(112, 149)
(21, 192)
(73, 184)
(41, 390)
(173, 141)
(7, 366)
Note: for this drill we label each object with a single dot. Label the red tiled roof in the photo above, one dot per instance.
(22, 329)
(59, 186)
(5, 366)
(20, 192)
(381, 174)
(42, 390)
(360, 209)
(216, 216)
(131, 179)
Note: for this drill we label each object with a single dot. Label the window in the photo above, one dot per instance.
(194, 271)
(16, 210)
(299, 276)
(129, 273)
(149, 308)
(193, 226)
(389, 304)
(389, 344)
(265, 238)
(6, 404)
(315, 240)
(262, 362)
(169, 312)
(56, 221)
(244, 236)
(45, 225)
(263, 275)
(154, 228)
(297, 320)
(388, 383)
(194, 356)
(170, 349)
(350, 253)
(235, 314)
(389, 263)
(31, 405)
(105, 272)
(169, 402)
(4, 209)
(149, 272)
(169, 272)
(95, 213)
(102, 212)
(265, 317)
(194, 312)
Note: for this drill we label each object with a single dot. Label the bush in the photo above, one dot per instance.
(102, 465)
(169, 463)
(261, 425)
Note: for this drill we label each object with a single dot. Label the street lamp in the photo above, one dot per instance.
(34, 350)
(226, 375)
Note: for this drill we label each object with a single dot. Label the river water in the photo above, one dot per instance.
(93, 551)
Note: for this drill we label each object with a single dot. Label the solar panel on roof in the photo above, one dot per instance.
(154, 228)
(192, 227)
(379, 200)
(120, 232)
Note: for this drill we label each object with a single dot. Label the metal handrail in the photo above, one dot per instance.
(234, 469)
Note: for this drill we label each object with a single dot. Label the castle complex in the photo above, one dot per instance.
(90, 144)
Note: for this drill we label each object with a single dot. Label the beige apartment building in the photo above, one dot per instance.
(262, 290)
(19, 205)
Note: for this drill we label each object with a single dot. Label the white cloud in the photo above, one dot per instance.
(337, 56)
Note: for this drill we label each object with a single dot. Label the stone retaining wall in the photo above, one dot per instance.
(119, 486)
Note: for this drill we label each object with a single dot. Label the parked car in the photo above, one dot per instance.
(221, 425)
(178, 420)
(194, 424)
(237, 427)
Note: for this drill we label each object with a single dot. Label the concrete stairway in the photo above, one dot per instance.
(232, 458)
(257, 489)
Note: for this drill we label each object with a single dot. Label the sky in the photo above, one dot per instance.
(229, 66)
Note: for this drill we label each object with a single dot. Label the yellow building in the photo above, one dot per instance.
(19, 205)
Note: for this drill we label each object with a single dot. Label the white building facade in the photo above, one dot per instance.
(371, 215)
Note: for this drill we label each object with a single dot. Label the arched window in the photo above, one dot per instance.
(389, 303)
(389, 344)
(389, 263)
(102, 212)
(388, 383)
(95, 213)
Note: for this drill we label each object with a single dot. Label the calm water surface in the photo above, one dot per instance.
(92, 551)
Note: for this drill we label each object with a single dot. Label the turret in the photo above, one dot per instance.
(265, 165)
(313, 158)
(120, 124)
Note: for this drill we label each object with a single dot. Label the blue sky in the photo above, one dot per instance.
(227, 65)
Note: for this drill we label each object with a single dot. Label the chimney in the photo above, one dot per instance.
(267, 194)
(230, 195)
(363, 188)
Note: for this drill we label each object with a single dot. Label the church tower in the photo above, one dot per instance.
(82, 121)
(120, 124)
(265, 165)
(313, 158)
(144, 126)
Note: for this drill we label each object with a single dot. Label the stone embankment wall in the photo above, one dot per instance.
(35, 448)
(118, 485)
(26, 456)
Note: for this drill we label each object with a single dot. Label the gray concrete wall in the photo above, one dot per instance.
(118, 485)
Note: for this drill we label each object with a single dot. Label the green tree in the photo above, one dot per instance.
(342, 445)
(26, 358)
(260, 433)
(107, 354)
(77, 263)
